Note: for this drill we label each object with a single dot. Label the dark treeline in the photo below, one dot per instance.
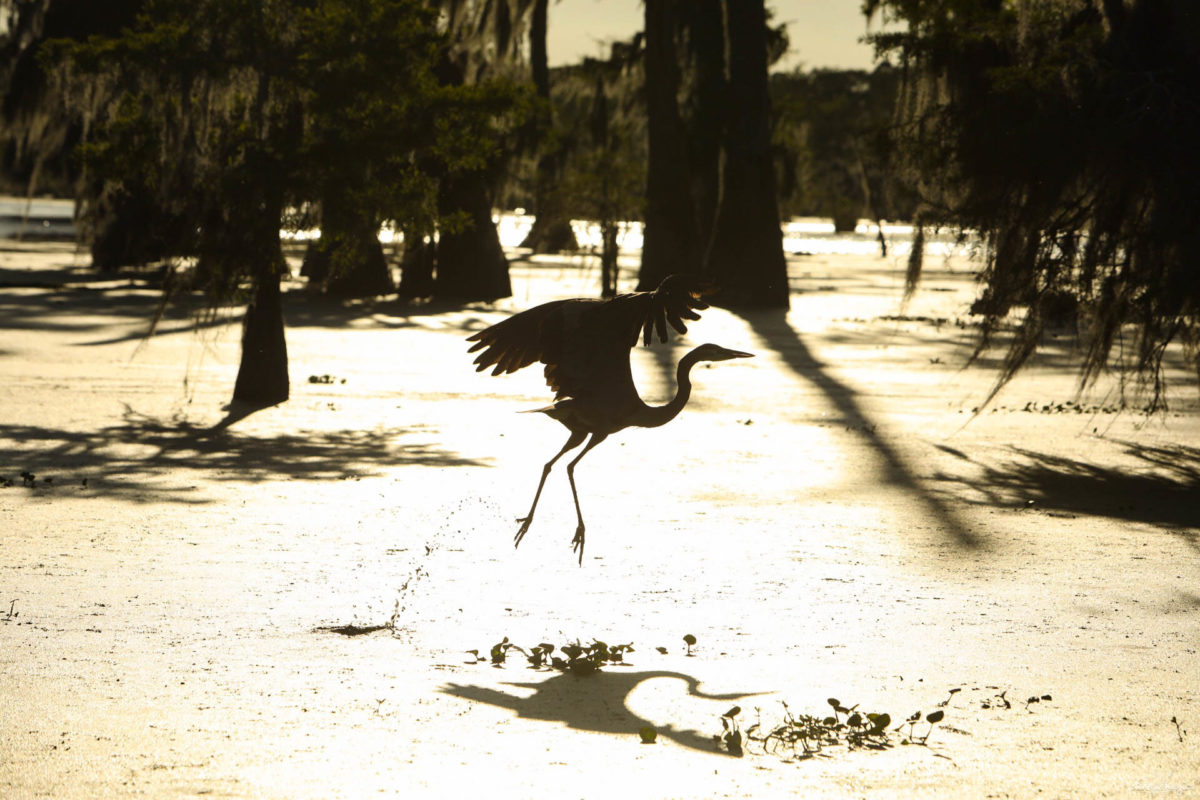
(835, 152)
(824, 141)
(1062, 132)
(831, 146)
(200, 128)
(590, 141)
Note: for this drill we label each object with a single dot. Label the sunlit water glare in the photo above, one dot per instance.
(801, 236)
(51, 218)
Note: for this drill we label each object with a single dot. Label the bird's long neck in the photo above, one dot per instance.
(653, 416)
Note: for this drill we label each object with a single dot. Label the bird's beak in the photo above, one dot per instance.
(740, 354)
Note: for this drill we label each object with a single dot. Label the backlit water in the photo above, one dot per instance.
(52, 219)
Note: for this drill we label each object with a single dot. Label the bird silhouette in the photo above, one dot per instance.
(585, 346)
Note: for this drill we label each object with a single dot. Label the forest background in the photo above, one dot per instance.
(1056, 135)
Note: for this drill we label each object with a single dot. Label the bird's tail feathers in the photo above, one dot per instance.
(542, 410)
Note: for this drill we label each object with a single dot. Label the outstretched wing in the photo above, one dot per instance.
(585, 343)
(677, 298)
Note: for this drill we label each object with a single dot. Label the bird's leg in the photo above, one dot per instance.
(577, 542)
(574, 441)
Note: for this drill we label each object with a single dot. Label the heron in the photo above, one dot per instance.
(585, 345)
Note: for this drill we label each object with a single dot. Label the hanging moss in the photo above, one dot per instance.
(1064, 133)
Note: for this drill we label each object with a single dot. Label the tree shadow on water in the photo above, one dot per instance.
(187, 314)
(120, 311)
(134, 460)
(1161, 489)
(594, 703)
(775, 330)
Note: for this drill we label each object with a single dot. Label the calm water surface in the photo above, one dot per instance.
(53, 219)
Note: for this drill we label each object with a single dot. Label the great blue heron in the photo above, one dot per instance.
(585, 346)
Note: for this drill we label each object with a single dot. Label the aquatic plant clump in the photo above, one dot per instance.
(804, 735)
(573, 657)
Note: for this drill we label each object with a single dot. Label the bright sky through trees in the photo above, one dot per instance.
(824, 33)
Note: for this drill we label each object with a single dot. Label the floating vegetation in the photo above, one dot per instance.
(573, 657)
(803, 736)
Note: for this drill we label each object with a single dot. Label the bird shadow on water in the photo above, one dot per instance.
(773, 328)
(135, 459)
(596, 703)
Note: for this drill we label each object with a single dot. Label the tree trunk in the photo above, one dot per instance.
(262, 378)
(671, 233)
(551, 231)
(872, 197)
(128, 228)
(416, 266)
(706, 101)
(248, 243)
(845, 215)
(470, 262)
(745, 258)
(348, 260)
(539, 67)
(608, 259)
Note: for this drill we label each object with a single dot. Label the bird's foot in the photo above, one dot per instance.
(577, 543)
(525, 522)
